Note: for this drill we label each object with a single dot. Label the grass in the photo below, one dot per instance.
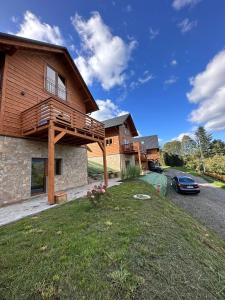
(125, 249)
(214, 182)
(95, 169)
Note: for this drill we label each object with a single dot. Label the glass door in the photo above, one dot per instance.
(38, 178)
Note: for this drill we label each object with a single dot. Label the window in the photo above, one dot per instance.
(58, 166)
(108, 142)
(55, 83)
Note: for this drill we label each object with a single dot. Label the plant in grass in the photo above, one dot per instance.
(96, 193)
(131, 172)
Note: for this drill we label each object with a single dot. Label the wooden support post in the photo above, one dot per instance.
(51, 164)
(139, 156)
(105, 166)
(102, 146)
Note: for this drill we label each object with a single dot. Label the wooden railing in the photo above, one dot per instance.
(129, 148)
(63, 115)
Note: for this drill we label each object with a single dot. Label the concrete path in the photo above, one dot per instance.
(208, 207)
(14, 212)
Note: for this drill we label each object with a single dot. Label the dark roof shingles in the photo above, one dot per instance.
(148, 142)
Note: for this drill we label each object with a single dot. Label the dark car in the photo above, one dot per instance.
(156, 169)
(184, 184)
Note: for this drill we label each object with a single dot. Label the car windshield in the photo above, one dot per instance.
(186, 180)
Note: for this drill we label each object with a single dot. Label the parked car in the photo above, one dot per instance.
(156, 169)
(184, 184)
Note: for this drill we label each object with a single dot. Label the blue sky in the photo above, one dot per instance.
(161, 60)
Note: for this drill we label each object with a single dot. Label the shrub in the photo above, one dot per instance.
(131, 172)
(215, 164)
(96, 193)
(172, 160)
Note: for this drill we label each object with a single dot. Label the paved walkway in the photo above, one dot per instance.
(37, 204)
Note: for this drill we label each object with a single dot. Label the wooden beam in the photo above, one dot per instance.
(51, 165)
(139, 156)
(59, 136)
(103, 148)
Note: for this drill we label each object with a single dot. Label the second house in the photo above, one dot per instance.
(121, 150)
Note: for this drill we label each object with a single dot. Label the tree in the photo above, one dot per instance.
(173, 147)
(217, 147)
(188, 145)
(203, 140)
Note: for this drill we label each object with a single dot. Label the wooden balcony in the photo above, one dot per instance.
(130, 148)
(78, 128)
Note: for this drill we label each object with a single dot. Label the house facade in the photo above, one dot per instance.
(44, 126)
(120, 147)
(150, 150)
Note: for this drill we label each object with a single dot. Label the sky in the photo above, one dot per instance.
(161, 60)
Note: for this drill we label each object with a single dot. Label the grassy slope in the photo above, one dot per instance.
(96, 169)
(124, 249)
(211, 180)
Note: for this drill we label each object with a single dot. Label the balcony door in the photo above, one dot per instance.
(38, 176)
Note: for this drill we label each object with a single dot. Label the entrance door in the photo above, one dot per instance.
(38, 178)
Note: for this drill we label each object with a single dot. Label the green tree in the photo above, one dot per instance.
(173, 147)
(188, 145)
(203, 140)
(217, 147)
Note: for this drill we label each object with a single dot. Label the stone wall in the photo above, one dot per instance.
(15, 167)
(127, 157)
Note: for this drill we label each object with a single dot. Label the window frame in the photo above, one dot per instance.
(57, 74)
(108, 142)
(60, 161)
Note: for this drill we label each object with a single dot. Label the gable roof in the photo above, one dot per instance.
(10, 43)
(148, 142)
(117, 121)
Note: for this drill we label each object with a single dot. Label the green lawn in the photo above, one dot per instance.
(209, 179)
(95, 169)
(125, 249)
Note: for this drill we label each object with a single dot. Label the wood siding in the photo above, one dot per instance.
(114, 148)
(24, 86)
(153, 154)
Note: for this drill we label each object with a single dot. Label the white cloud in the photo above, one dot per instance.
(187, 25)
(14, 19)
(107, 110)
(153, 33)
(208, 91)
(171, 80)
(146, 77)
(179, 4)
(32, 27)
(173, 62)
(103, 57)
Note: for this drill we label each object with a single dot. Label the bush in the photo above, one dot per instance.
(172, 160)
(131, 172)
(96, 193)
(215, 164)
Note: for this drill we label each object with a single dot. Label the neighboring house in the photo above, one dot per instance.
(120, 148)
(44, 125)
(150, 149)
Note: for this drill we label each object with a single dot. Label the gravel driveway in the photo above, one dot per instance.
(208, 206)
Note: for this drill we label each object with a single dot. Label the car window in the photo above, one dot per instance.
(186, 180)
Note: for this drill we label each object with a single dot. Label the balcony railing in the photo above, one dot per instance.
(62, 115)
(129, 148)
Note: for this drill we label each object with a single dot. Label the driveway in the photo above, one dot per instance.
(208, 206)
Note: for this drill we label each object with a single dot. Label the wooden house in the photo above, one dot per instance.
(150, 150)
(44, 121)
(121, 148)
